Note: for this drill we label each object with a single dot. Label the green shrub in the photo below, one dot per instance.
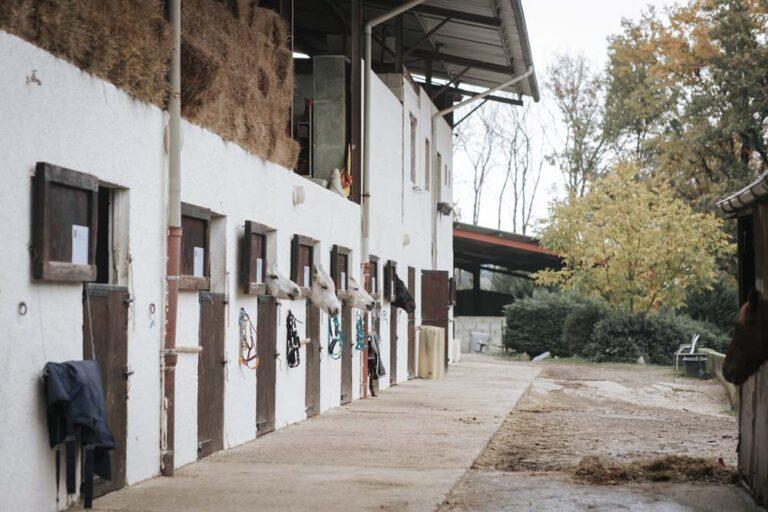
(622, 337)
(580, 322)
(710, 336)
(535, 324)
(719, 306)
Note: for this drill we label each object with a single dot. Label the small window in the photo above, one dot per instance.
(373, 287)
(427, 164)
(253, 258)
(389, 280)
(340, 268)
(447, 174)
(302, 259)
(413, 148)
(438, 169)
(65, 222)
(195, 237)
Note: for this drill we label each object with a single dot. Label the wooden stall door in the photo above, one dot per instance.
(392, 345)
(376, 327)
(412, 326)
(105, 331)
(210, 375)
(346, 356)
(266, 372)
(435, 301)
(313, 350)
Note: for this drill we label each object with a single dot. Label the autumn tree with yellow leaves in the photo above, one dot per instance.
(633, 242)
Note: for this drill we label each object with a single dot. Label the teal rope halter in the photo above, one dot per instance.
(359, 334)
(335, 338)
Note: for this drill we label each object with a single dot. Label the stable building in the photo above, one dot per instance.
(153, 186)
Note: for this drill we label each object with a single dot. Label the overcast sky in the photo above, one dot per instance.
(554, 26)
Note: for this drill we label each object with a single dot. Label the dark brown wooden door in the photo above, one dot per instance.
(346, 356)
(412, 326)
(105, 331)
(392, 345)
(210, 375)
(435, 300)
(312, 356)
(376, 327)
(265, 373)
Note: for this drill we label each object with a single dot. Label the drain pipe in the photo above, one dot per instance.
(436, 172)
(366, 193)
(174, 246)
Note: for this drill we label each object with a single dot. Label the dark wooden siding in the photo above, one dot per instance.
(435, 301)
(392, 345)
(210, 375)
(105, 331)
(312, 357)
(412, 326)
(266, 372)
(346, 356)
(753, 416)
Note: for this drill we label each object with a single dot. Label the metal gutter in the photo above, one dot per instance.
(482, 95)
(169, 355)
(747, 196)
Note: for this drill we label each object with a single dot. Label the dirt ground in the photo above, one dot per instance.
(624, 413)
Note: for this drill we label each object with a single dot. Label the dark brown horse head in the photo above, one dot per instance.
(749, 347)
(403, 298)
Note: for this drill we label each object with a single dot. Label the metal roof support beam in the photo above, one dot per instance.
(482, 95)
(450, 83)
(457, 15)
(461, 61)
(498, 99)
(426, 36)
(457, 123)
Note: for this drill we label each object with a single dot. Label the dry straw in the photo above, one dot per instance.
(237, 75)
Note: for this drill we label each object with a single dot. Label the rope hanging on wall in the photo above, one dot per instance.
(248, 332)
(335, 338)
(293, 343)
(359, 334)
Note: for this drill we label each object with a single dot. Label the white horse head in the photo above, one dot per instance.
(280, 286)
(323, 293)
(358, 297)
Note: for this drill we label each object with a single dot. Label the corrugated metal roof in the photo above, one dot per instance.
(494, 52)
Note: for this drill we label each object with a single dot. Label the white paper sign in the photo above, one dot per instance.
(259, 266)
(306, 276)
(343, 281)
(373, 284)
(199, 260)
(79, 244)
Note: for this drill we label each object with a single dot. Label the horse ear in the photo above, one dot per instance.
(754, 299)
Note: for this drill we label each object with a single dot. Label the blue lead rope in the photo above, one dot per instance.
(335, 338)
(359, 334)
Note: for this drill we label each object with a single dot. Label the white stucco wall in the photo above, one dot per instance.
(75, 120)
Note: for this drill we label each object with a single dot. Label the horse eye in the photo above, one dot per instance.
(325, 287)
(273, 276)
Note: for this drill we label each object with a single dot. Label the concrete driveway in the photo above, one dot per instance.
(404, 450)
